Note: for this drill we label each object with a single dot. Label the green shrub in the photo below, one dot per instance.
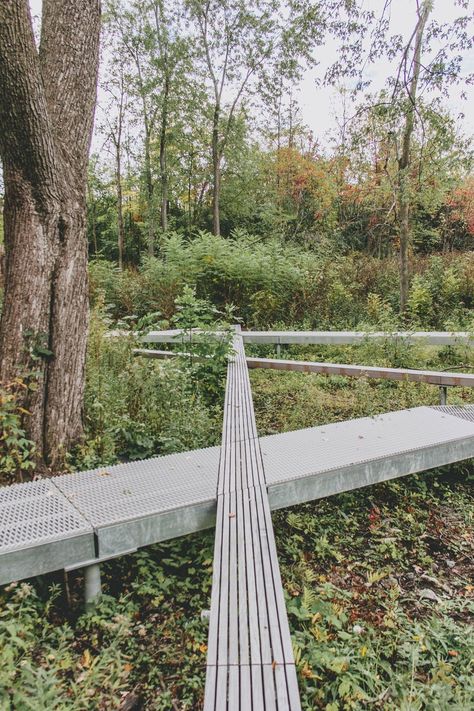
(135, 407)
(16, 450)
(270, 282)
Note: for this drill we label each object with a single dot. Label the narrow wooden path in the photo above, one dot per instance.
(250, 661)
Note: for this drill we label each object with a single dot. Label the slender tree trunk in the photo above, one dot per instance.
(190, 178)
(216, 173)
(46, 114)
(120, 224)
(93, 208)
(149, 191)
(404, 162)
(163, 156)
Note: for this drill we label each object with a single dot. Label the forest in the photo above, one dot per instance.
(293, 165)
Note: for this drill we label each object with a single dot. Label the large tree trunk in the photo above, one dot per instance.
(46, 114)
(404, 162)
(216, 174)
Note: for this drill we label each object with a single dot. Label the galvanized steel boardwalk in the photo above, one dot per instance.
(250, 661)
(81, 519)
(77, 518)
(433, 338)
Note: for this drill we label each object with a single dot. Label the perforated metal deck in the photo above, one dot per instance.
(320, 461)
(50, 524)
(40, 531)
(465, 412)
(136, 504)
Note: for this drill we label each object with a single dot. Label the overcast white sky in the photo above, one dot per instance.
(320, 105)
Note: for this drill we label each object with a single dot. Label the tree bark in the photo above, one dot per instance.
(46, 114)
(404, 162)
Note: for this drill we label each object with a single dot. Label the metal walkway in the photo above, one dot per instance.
(78, 519)
(432, 338)
(250, 661)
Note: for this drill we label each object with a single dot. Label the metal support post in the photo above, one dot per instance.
(92, 585)
(278, 349)
(443, 394)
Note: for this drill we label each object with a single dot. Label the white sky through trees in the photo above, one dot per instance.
(321, 106)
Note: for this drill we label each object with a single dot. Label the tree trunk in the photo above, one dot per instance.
(404, 162)
(216, 173)
(163, 151)
(120, 225)
(93, 209)
(149, 190)
(46, 114)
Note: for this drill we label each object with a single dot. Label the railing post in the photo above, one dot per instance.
(278, 349)
(92, 590)
(443, 394)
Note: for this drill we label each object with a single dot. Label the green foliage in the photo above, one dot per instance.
(43, 669)
(137, 408)
(436, 295)
(377, 617)
(207, 338)
(272, 283)
(16, 450)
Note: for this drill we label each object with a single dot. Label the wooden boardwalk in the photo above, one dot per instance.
(250, 661)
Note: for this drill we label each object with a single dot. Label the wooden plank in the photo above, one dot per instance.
(214, 619)
(221, 689)
(243, 609)
(257, 688)
(432, 377)
(269, 689)
(246, 688)
(292, 686)
(260, 648)
(235, 573)
(279, 636)
(210, 688)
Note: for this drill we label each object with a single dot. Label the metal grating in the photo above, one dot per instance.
(322, 449)
(36, 513)
(464, 412)
(111, 495)
(180, 489)
(249, 637)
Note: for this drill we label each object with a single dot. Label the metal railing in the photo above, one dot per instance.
(440, 378)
